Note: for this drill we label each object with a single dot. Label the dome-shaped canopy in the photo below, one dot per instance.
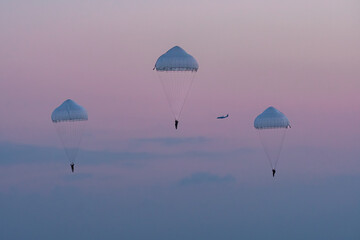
(271, 118)
(176, 59)
(69, 111)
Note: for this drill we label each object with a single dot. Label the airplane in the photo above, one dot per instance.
(223, 117)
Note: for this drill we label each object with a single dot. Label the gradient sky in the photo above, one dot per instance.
(138, 178)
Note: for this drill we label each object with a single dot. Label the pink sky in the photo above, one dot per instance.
(301, 57)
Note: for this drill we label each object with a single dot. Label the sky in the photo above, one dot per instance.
(138, 178)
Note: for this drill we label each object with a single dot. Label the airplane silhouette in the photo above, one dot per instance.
(223, 117)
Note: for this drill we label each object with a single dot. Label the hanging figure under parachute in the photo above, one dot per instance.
(69, 120)
(176, 69)
(272, 125)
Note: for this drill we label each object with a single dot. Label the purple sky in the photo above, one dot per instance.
(302, 57)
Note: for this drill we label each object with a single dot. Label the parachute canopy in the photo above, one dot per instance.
(176, 59)
(69, 111)
(271, 118)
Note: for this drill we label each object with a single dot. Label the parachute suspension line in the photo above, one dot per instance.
(166, 93)
(281, 146)
(266, 152)
(187, 92)
(70, 133)
(176, 85)
(273, 145)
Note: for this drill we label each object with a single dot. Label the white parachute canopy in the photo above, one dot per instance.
(272, 125)
(176, 69)
(69, 120)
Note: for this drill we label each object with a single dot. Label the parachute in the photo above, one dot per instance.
(69, 120)
(272, 125)
(176, 70)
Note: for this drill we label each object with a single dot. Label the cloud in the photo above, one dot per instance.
(302, 210)
(11, 153)
(77, 177)
(168, 141)
(205, 178)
